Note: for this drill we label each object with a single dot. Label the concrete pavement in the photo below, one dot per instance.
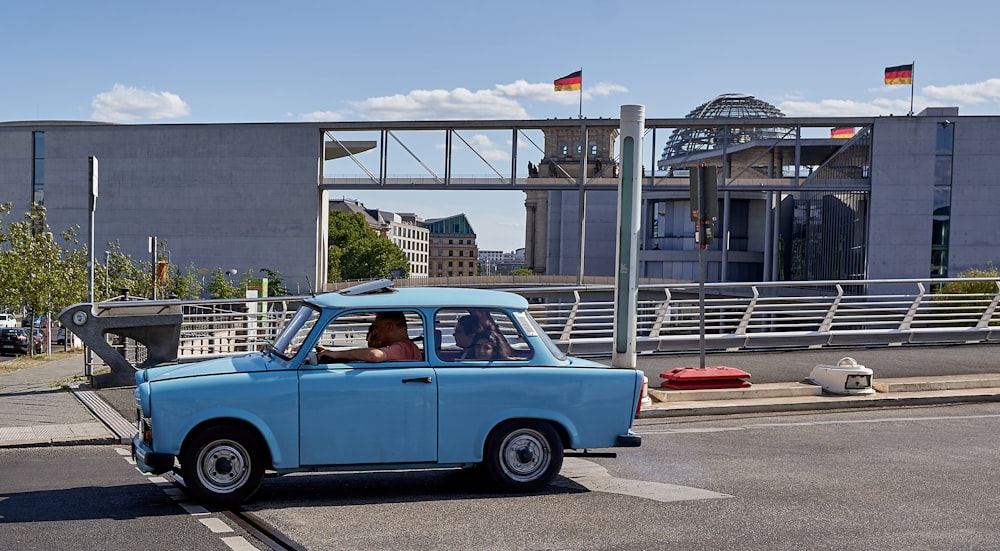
(51, 404)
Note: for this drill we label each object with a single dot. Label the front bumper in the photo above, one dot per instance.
(148, 461)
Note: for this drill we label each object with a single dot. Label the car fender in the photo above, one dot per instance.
(563, 425)
(174, 440)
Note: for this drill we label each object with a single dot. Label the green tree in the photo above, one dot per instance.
(973, 287)
(120, 272)
(275, 285)
(185, 286)
(975, 295)
(358, 252)
(219, 286)
(36, 274)
(522, 272)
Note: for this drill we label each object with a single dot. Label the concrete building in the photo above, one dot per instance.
(907, 197)
(501, 262)
(453, 249)
(227, 196)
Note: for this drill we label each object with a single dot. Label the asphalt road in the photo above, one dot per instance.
(90, 497)
(880, 479)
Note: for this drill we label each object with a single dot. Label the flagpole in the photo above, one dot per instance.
(581, 96)
(913, 67)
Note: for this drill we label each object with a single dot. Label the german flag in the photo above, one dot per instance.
(900, 74)
(847, 132)
(572, 81)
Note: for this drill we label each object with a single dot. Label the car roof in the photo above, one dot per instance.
(386, 296)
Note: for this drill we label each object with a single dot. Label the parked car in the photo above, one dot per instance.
(227, 420)
(15, 340)
(7, 320)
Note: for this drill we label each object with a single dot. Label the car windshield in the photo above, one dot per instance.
(290, 339)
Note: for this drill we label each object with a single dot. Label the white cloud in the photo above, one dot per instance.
(979, 92)
(457, 104)
(125, 103)
(321, 116)
(504, 101)
(845, 108)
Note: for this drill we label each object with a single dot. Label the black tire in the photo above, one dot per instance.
(223, 465)
(523, 456)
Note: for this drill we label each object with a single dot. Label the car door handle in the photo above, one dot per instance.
(418, 380)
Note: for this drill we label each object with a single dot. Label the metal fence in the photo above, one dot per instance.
(738, 316)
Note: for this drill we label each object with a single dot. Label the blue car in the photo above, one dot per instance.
(290, 408)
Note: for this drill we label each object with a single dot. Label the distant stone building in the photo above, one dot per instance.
(501, 262)
(453, 250)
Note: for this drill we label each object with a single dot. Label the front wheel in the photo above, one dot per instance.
(523, 456)
(223, 465)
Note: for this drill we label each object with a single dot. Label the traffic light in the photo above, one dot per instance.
(704, 202)
(704, 194)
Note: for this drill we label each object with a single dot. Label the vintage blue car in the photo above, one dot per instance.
(228, 420)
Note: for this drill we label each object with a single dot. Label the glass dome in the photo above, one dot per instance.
(684, 141)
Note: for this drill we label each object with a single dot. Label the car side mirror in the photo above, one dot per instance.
(311, 358)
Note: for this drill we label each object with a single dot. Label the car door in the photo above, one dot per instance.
(367, 413)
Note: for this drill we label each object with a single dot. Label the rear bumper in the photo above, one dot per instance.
(630, 440)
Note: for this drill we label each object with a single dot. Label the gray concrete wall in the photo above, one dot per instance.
(600, 236)
(902, 198)
(975, 197)
(240, 196)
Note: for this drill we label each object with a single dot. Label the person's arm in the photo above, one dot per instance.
(352, 355)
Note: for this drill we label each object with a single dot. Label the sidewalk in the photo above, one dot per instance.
(51, 405)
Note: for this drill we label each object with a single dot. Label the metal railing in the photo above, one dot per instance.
(738, 316)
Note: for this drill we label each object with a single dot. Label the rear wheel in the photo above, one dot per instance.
(223, 465)
(523, 456)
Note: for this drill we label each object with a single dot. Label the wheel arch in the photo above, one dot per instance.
(233, 422)
(560, 429)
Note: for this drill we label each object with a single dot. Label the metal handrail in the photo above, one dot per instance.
(738, 316)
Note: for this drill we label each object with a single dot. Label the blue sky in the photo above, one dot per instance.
(250, 61)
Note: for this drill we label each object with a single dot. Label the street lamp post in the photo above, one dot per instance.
(88, 367)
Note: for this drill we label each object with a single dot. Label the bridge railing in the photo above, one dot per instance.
(738, 316)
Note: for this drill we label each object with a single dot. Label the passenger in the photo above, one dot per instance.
(388, 340)
(490, 345)
(465, 330)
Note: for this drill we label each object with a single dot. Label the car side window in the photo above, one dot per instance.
(479, 335)
(352, 330)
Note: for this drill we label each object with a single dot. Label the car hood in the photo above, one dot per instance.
(217, 366)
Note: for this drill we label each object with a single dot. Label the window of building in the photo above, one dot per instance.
(562, 149)
(38, 168)
(941, 219)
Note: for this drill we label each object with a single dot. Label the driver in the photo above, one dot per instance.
(388, 340)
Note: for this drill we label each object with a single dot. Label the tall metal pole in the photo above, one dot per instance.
(581, 231)
(633, 119)
(88, 367)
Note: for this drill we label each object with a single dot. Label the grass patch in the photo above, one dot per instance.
(24, 362)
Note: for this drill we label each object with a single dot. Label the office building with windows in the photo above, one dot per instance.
(899, 197)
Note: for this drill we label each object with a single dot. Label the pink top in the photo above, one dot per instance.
(402, 350)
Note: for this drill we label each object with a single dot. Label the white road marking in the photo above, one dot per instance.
(596, 478)
(216, 525)
(238, 543)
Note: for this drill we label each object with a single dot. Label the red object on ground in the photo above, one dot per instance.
(688, 378)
